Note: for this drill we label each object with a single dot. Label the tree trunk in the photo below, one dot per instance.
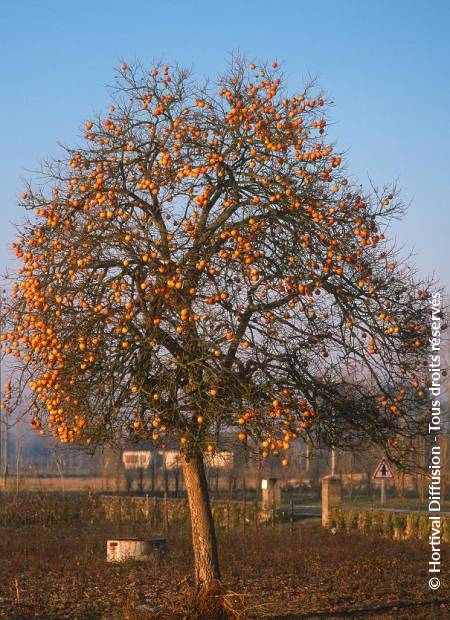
(166, 479)
(206, 560)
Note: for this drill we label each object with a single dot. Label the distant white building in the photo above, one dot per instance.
(136, 459)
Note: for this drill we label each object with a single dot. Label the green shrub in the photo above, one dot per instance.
(424, 527)
(392, 524)
(399, 524)
(333, 518)
(377, 522)
(219, 514)
(412, 526)
(388, 525)
(341, 520)
(365, 520)
(351, 519)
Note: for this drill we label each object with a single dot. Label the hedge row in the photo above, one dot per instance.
(396, 525)
(47, 509)
(175, 512)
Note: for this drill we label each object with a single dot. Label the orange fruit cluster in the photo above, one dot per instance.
(199, 263)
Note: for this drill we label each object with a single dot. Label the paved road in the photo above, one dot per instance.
(303, 512)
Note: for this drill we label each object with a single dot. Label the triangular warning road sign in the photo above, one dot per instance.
(383, 471)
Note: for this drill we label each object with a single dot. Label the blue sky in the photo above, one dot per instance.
(385, 63)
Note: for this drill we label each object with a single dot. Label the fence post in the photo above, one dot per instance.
(291, 516)
(166, 513)
(154, 512)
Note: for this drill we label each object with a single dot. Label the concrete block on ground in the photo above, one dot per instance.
(136, 549)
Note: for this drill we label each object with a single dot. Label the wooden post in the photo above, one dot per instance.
(166, 513)
(153, 470)
(155, 512)
(177, 480)
(291, 516)
(166, 477)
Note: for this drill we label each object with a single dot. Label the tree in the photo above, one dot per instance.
(201, 263)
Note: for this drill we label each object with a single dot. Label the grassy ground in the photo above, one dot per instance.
(55, 568)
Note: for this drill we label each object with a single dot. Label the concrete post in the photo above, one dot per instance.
(331, 496)
(270, 497)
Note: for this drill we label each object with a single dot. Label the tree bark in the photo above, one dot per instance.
(204, 543)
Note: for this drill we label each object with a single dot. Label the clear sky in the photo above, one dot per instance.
(386, 64)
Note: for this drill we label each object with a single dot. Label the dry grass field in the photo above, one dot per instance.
(53, 567)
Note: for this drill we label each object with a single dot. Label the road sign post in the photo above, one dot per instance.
(383, 472)
(383, 493)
